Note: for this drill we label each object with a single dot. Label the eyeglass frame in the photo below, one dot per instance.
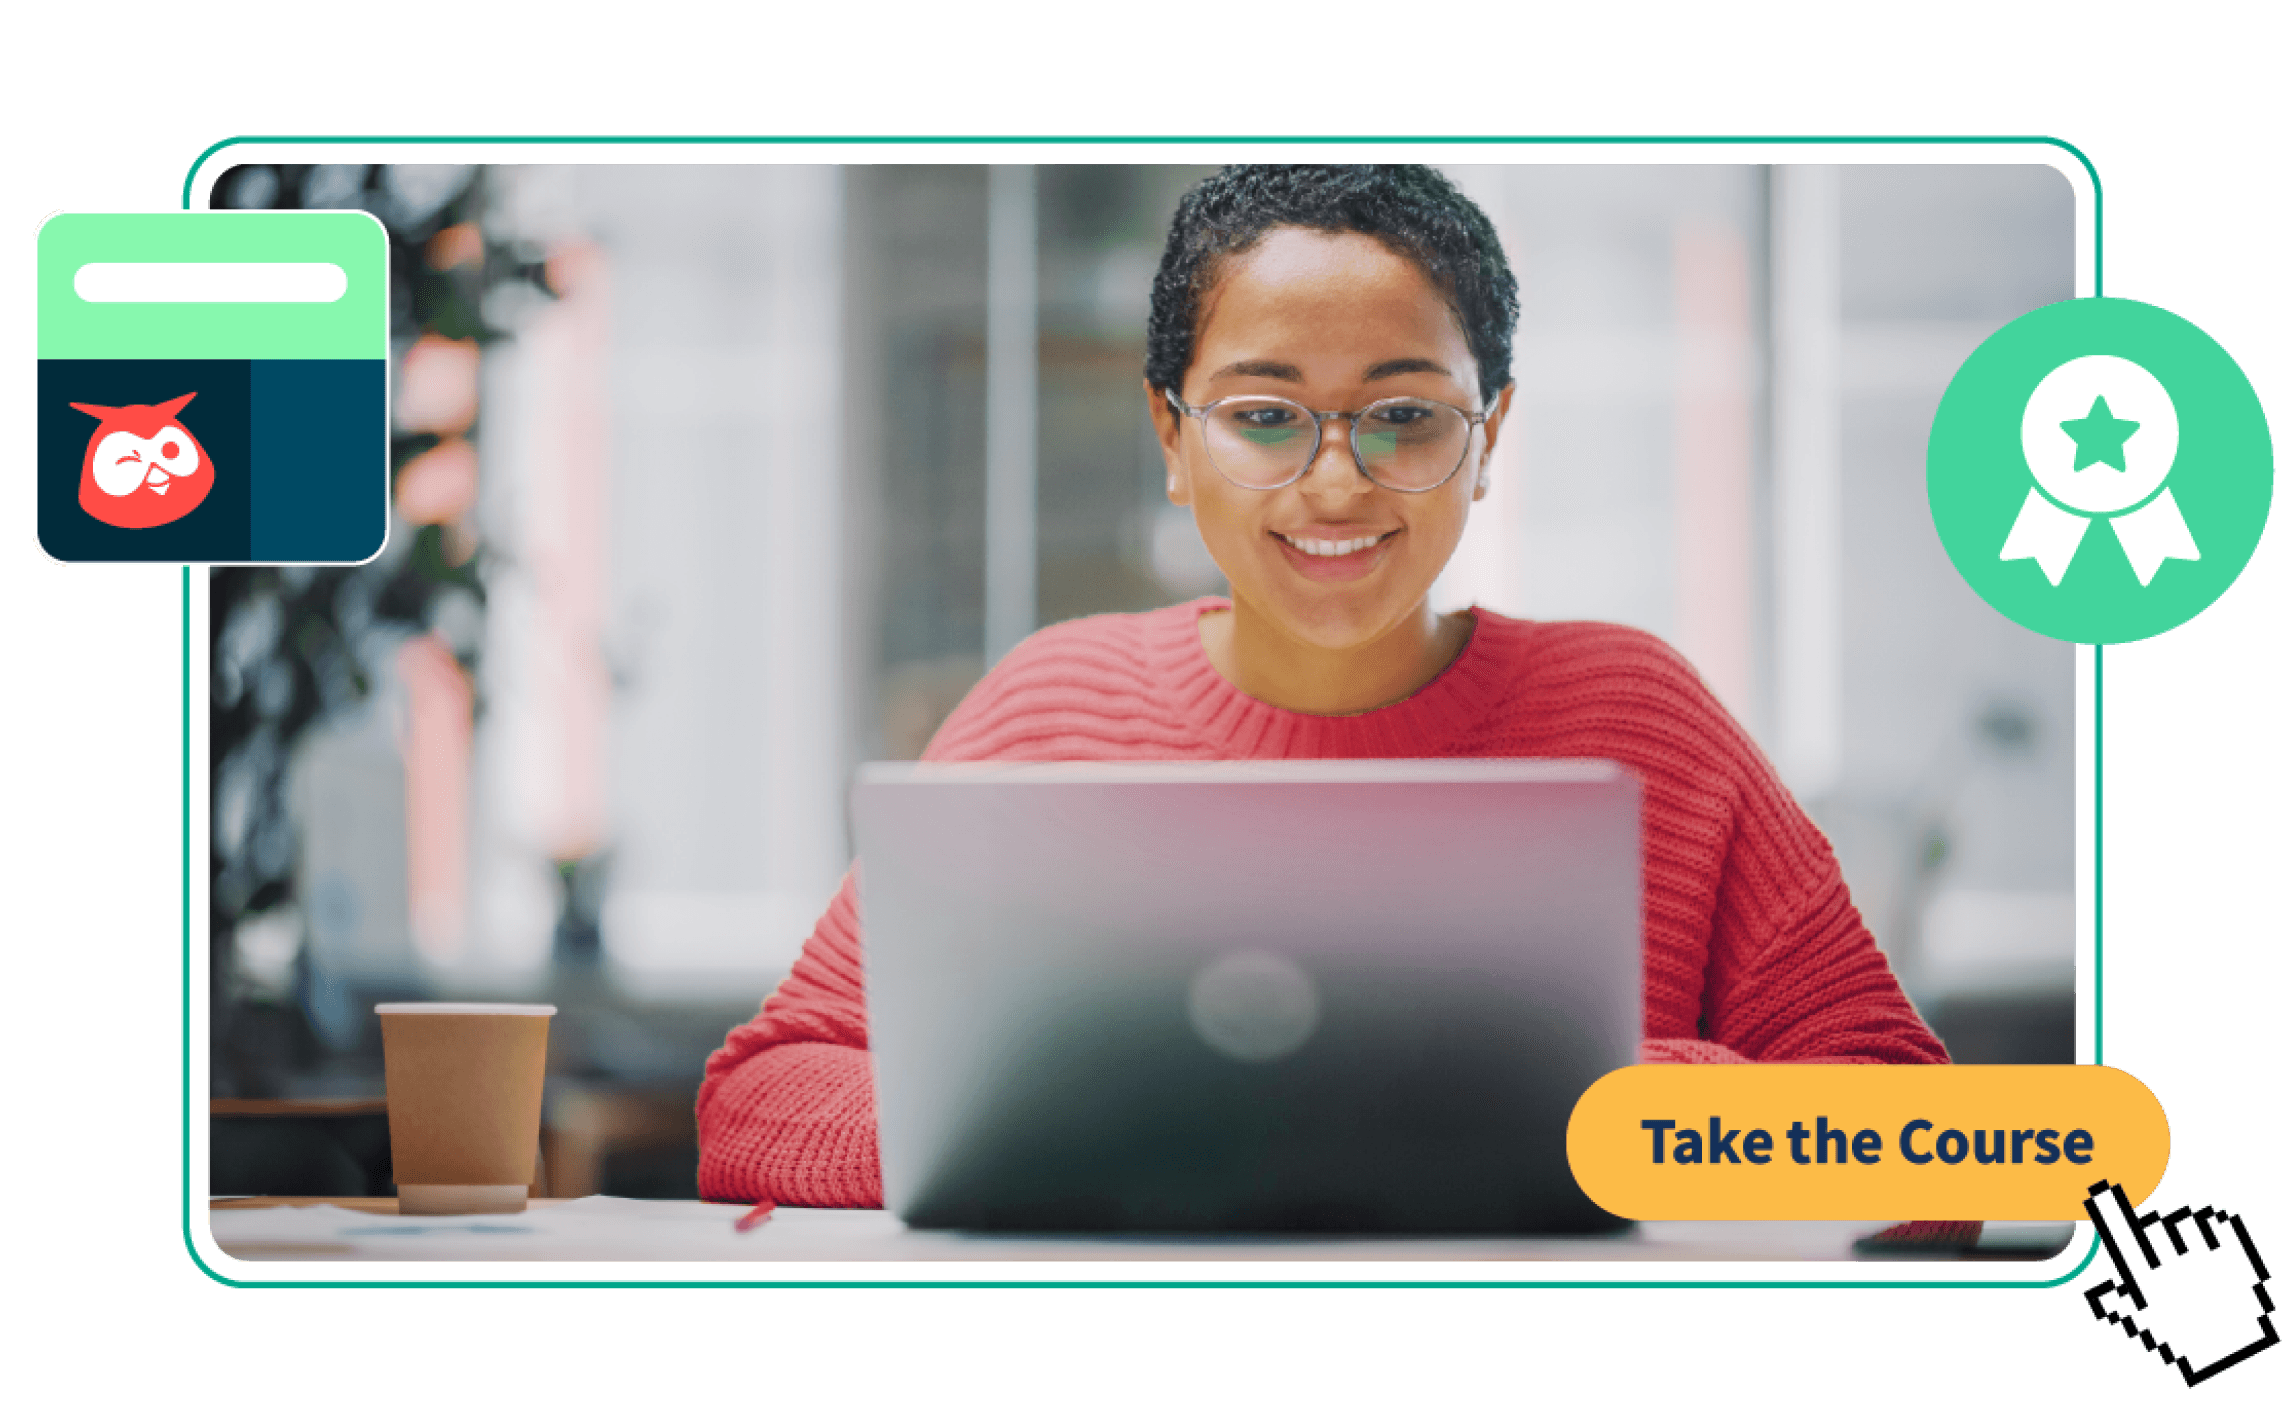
(1318, 418)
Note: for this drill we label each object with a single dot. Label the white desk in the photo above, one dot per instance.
(603, 1229)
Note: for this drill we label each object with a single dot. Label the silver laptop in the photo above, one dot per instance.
(1328, 996)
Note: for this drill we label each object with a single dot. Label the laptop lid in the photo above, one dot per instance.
(1252, 996)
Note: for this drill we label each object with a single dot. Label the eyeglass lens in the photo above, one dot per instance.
(1265, 443)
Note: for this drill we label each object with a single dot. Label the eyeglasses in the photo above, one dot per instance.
(1403, 443)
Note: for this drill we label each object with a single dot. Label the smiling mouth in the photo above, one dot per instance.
(1326, 548)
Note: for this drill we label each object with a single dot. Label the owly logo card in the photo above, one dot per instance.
(213, 387)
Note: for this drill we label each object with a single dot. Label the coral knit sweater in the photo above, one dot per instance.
(1751, 947)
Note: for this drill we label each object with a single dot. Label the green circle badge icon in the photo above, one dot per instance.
(2099, 470)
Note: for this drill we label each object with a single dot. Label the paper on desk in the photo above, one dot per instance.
(599, 1227)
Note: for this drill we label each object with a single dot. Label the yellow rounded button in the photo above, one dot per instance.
(1863, 1142)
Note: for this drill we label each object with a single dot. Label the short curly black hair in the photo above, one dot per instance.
(1414, 209)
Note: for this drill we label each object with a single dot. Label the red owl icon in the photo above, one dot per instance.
(142, 467)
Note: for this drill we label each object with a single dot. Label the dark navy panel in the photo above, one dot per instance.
(218, 530)
(321, 460)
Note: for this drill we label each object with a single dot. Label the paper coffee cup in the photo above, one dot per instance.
(464, 1084)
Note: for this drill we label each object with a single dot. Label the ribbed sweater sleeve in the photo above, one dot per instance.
(1752, 949)
(785, 1112)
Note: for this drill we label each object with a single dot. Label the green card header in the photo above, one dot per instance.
(214, 286)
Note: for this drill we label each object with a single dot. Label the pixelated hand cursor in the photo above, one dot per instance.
(2201, 1304)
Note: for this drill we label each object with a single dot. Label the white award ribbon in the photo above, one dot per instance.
(2051, 533)
(2064, 499)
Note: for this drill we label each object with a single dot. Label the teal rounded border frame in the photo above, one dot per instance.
(192, 752)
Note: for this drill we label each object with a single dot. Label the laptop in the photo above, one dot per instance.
(1331, 996)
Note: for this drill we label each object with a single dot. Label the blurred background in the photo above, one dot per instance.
(712, 482)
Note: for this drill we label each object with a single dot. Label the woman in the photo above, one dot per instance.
(1328, 374)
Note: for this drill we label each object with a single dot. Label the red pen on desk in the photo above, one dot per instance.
(756, 1216)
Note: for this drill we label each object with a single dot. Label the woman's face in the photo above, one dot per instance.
(1332, 322)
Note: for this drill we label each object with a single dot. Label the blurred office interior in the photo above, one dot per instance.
(713, 481)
